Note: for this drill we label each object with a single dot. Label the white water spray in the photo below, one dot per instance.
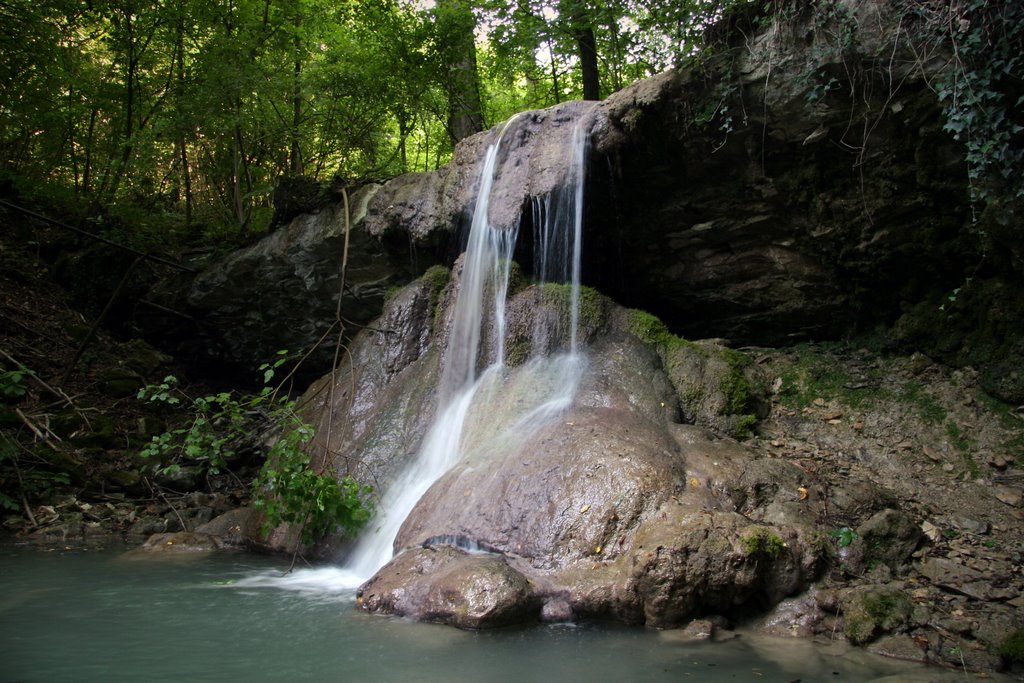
(483, 286)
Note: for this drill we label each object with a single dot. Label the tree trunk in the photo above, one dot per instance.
(554, 72)
(587, 45)
(186, 177)
(129, 105)
(295, 154)
(580, 25)
(465, 110)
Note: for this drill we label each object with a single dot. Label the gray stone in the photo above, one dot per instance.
(1008, 495)
(181, 542)
(282, 292)
(899, 647)
(959, 578)
(889, 537)
(448, 586)
(869, 611)
(235, 528)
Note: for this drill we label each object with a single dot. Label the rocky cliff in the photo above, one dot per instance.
(797, 184)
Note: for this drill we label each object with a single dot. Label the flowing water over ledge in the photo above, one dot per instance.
(96, 616)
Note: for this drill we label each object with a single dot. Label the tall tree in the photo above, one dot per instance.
(456, 27)
(578, 18)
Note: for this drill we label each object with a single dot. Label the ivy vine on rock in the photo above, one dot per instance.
(982, 93)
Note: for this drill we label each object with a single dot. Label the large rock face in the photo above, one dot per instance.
(611, 509)
(801, 190)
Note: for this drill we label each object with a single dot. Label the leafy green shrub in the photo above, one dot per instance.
(287, 489)
(12, 383)
(844, 536)
(217, 423)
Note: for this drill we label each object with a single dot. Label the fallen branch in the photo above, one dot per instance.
(35, 430)
(28, 371)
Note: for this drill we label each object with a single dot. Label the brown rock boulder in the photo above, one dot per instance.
(448, 586)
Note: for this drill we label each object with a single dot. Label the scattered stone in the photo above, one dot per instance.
(1008, 495)
(899, 647)
(954, 576)
(889, 537)
(970, 526)
(998, 461)
(698, 629)
(798, 616)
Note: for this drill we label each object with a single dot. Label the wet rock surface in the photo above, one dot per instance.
(449, 586)
(853, 511)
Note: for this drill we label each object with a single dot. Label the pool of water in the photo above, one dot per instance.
(68, 615)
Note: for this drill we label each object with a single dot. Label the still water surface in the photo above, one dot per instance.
(95, 616)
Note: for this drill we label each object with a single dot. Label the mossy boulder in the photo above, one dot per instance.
(120, 382)
(1012, 648)
(718, 387)
(449, 586)
(144, 359)
(869, 611)
(888, 537)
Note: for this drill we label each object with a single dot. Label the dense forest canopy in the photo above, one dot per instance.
(183, 115)
(196, 108)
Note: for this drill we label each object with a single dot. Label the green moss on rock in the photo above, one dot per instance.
(517, 352)
(592, 306)
(761, 542)
(436, 278)
(1012, 648)
(874, 610)
(717, 386)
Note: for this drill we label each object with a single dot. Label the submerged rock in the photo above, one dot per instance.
(180, 542)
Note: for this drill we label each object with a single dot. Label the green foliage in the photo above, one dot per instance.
(761, 542)
(12, 384)
(33, 482)
(980, 89)
(216, 424)
(288, 490)
(844, 536)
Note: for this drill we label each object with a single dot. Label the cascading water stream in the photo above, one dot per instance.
(483, 286)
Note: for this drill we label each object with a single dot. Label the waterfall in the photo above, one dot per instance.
(480, 306)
